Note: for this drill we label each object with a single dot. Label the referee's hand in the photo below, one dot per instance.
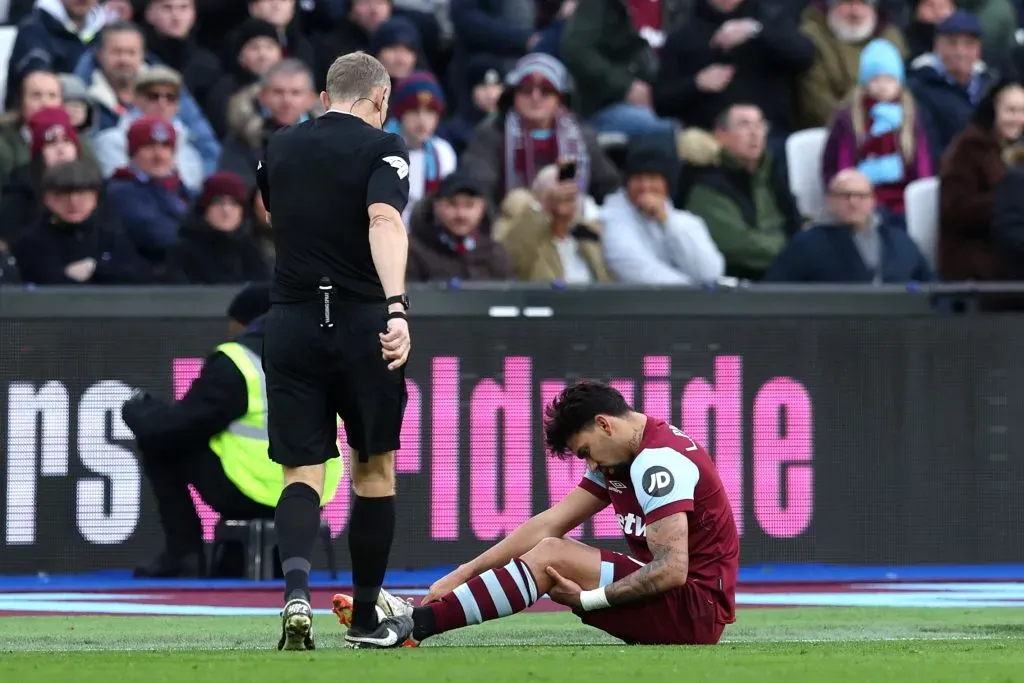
(395, 343)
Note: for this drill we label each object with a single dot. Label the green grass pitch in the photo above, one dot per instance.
(857, 645)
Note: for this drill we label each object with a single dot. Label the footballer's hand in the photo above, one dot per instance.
(444, 586)
(564, 592)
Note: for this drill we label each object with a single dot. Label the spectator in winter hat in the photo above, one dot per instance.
(878, 131)
(74, 242)
(39, 90)
(533, 129)
(950, 82)
(256, 49)
(397, 45)
(417, 106)
(148, 194)
(215, 245)
(449, 235)
(52, 141)
(647, 240)
(158, 93)
(485, 77)
(839, 31)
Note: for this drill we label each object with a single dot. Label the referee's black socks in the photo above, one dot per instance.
(297, 521)
(370, 532)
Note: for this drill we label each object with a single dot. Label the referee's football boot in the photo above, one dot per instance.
(296, 626)
(387, 606)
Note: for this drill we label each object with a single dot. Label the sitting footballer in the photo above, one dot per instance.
(678, 586)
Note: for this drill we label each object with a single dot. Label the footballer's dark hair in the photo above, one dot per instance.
(575, 409)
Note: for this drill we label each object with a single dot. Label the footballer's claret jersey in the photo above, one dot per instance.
(317, 180)
(672, 474)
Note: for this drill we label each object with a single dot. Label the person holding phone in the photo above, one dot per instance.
(552, 240)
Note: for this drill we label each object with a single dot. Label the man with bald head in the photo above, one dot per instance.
(854, 245)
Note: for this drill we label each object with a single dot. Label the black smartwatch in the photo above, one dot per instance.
(399, 299)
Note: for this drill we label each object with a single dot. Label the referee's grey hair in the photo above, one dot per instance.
(354, 76)
(287, 67)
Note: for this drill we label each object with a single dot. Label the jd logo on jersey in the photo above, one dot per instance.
(658, 481)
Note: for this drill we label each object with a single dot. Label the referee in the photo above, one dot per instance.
(336, 337)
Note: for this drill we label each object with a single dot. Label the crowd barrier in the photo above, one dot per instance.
(848, 425)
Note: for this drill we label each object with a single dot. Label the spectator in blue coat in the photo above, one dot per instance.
(949, 83)
(110, 70)
(148, 195)
(76, 241)
(858, 247)
(53, 38)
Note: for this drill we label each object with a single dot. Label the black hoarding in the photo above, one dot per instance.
(866, 441)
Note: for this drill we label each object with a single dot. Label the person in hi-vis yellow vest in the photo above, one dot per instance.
(215, 438)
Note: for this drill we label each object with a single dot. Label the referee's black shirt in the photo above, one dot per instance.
(317, 180)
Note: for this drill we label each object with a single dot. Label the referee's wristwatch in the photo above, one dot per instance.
(398, 299)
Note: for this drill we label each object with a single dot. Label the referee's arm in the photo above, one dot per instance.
(387, 193)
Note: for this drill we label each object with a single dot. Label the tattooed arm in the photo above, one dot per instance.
(668, 540)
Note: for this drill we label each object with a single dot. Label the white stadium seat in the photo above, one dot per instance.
(803, 159)
(7, 36)
(921, 200)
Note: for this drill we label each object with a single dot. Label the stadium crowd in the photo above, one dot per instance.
(639, 141)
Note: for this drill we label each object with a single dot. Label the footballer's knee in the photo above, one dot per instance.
(549, 552)
(374, 478)
(574, 560)
(310, 475)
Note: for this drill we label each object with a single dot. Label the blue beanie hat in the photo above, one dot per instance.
(880, 58)
(395, 31)
(420, 89)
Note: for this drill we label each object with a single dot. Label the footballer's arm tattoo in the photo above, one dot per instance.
(668, 540)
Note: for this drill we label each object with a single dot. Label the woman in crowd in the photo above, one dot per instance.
(971, 171)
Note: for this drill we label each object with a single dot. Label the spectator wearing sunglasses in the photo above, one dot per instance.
(158, 92)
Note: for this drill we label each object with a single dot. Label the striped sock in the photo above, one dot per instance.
(494, 594)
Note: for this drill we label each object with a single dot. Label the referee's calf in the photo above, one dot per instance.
(336, 336)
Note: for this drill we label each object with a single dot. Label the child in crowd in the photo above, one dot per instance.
(416, 109)
(878, 131)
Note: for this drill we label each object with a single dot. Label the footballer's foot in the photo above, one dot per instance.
(296, 626)
(387, 605)
(390, 632)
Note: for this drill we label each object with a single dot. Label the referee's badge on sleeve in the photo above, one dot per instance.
(399, 164)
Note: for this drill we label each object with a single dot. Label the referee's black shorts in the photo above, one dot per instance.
(315, 375)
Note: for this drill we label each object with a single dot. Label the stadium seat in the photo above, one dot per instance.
(258, 538)
(921, 200)
(7, 36)
(803, 160)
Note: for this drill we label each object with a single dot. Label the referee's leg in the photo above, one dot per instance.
(371, 402)
(302, 429)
